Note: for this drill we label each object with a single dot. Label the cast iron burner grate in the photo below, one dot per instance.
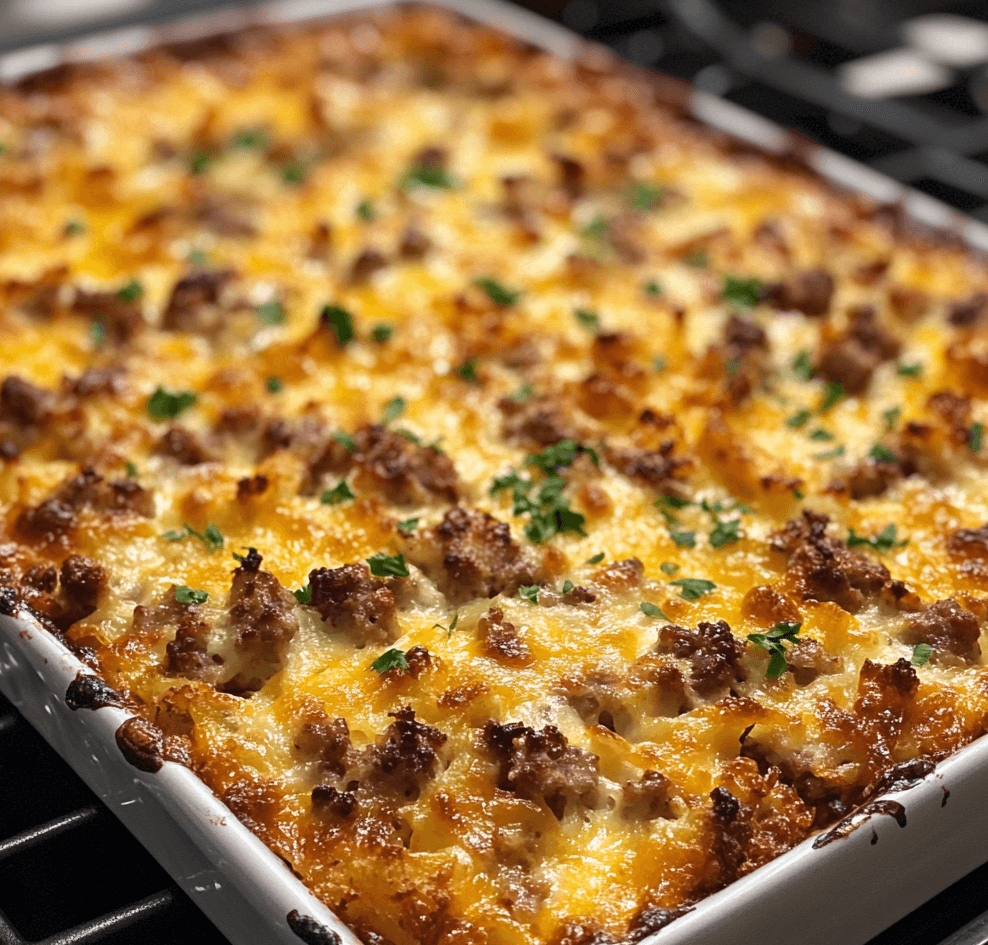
(70, 874)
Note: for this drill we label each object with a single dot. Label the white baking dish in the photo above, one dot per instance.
(899, 853)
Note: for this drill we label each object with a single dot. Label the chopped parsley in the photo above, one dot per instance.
(909, 370)
(303, 595)
(274, 385)
(294, 172)
(774, 641)
(211, 537)
(249, 138)
(567, 586)
(659, 364)
(529, 592)
(684, 539)
(198, 258)
(340, 321)
(698, 259)
(835, 453)
(523, 393)
(886, 540)
(921, 654)
(738, 290)
(549, 511)
(882, 454)
(338, 494)
(163, 405)
(345, 440)
(74, 228)
(891, 417)
(802, 366)
(389, 660)
(596, 559)
(496, 292)
(468, 369)
(382, 332)
(644, 196)
(976, 436)
(427, 175)
(731, 366)
(652, 288)
(408, 525)
(596, 229)
(186, 595)
(273, 312)
(693, 588)
(382, 565)
(668, 568)
(821, 435)
(97, 334)
(561, 454)
(651, 610)
(588, 319)
(199, 160)
(833, 392)
(130, 292)
(365, 210)
(672, 501)
(725, 533)
(798, 419)
(392, 410)
(131, 469)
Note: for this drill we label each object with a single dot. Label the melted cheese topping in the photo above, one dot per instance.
(295, 164)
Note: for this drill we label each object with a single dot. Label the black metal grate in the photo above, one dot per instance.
(70, 873)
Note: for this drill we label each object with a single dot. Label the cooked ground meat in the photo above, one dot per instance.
(501, 640)
(183, 446)
(23, 403)
(884, 694)
(808, 292)
(868, 479)
(120, 318)
(968, 311)
(947, 628)
(404, 758)
(807, 660)
(713, 651)
(851, 359)
(955, 411)
(354, 602)
(731, 830)
(537, 421)
(327, 741)
(365, 265)
(648, 798)
(327, 801)
(658, 469)
(193, 302)
(971, 543)
(414, 244)
(470, 554)
(82, 580)
(263, 616)
(825, 569)
(541, 766)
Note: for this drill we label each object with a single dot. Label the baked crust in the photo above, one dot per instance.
(563, 349)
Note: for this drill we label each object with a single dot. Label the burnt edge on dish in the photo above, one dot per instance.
(91, 692)
(310, 931)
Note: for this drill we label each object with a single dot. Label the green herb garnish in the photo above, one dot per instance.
(693, 588)
(835, 453)
(567, 586)
(834, 391)
(741, 291)
(130, 292)
(651, 610)
(186, 595)
(798, 419)
(468, 369)
(382, 332)
(408, 525)
(882, 454)
(523, 393)
(211, 537)
(643, 196)
(274, 385)
(294, 172)
(382, 565)
(199, 160)
(921, 654)
(802, 366)
(589, 320)
(821, 435)
(345, 440)
(775, 642)
(698, 259)
(131, 469)
(725, 533)
(659, 364)
(596, 559)
(652, 288)
(74, 228)
(273, 312)
(341, 322)
(909, 370)
(336, 495)
(891, 417)
(976, 436)
(529, 592)
(365, 210)
(392, 410)
(303, 595)
(427, 175)
(97, 334)
(389, 660)
(496, 292)
(163, 405)
(668, 568)
(883, 542)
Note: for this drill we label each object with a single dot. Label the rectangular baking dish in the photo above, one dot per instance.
(843, 886)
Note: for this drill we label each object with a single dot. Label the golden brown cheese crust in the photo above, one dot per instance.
(619, 392)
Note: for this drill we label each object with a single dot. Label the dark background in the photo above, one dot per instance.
(803, 63)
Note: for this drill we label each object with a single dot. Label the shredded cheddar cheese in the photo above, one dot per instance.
(528, 511)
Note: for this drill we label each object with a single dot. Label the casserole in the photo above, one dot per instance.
(545, 581)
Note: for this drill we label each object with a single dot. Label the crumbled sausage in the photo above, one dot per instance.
(946, 628)
(405, 472)
(970, 543)
(808, 292)
(23, 403)
(365, 265)
(713, 651)
(470, 554)
(955, 411)
(658, 469)
(542, 766)
(967, 312)
(120, 318)
(868, 479)
(538, 421)
(82, 580)
(730, 825)
(328, 801)
(824, 569)
(572, 175)
(807, 660)
(851, 359)
(405, 757)
(192, 306)
(95, 381)
(647, 798)
(501, 640)
(414, 243)
(327, 740)
(186, 654)
(885, 691)
(183, 446)
(349, 599)
(263, 616)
